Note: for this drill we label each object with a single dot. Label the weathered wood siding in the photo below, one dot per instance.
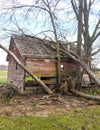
(42, 67)
(68, 68)
(48, 67)
(15, 73)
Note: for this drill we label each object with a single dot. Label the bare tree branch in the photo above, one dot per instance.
(75, 8)
(94, 53)
(90, 4)
(94, 35)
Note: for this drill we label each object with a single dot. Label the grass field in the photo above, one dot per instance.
(87, 119)
(3, 76)
(98, 74)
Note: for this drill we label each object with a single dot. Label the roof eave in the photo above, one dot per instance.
(39, 56)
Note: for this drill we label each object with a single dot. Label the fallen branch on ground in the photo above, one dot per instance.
(95, 98)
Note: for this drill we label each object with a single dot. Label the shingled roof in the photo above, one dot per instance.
(35, 47)
(32, 46)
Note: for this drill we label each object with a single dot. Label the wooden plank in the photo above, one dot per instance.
(49, 82)
(42, 67)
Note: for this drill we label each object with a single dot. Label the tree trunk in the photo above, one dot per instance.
(57, 47)
(96, 98)
(79, 39)
(25, 69)
(79, 43)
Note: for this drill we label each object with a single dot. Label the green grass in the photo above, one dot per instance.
(3, 76)
(93, 92)
(97, 74)
(3, 73)
(87, 119)
(28, 78)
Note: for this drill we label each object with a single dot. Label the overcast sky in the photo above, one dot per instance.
(36, 29)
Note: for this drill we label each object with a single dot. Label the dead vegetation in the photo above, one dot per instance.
(41, 105)
(38, 103)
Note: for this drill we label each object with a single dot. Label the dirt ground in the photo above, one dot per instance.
(42, 104)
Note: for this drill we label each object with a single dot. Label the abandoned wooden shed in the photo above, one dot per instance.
(39, 57)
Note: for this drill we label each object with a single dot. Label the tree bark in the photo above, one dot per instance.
(79, 44)
(96, 98)
(25, 69)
